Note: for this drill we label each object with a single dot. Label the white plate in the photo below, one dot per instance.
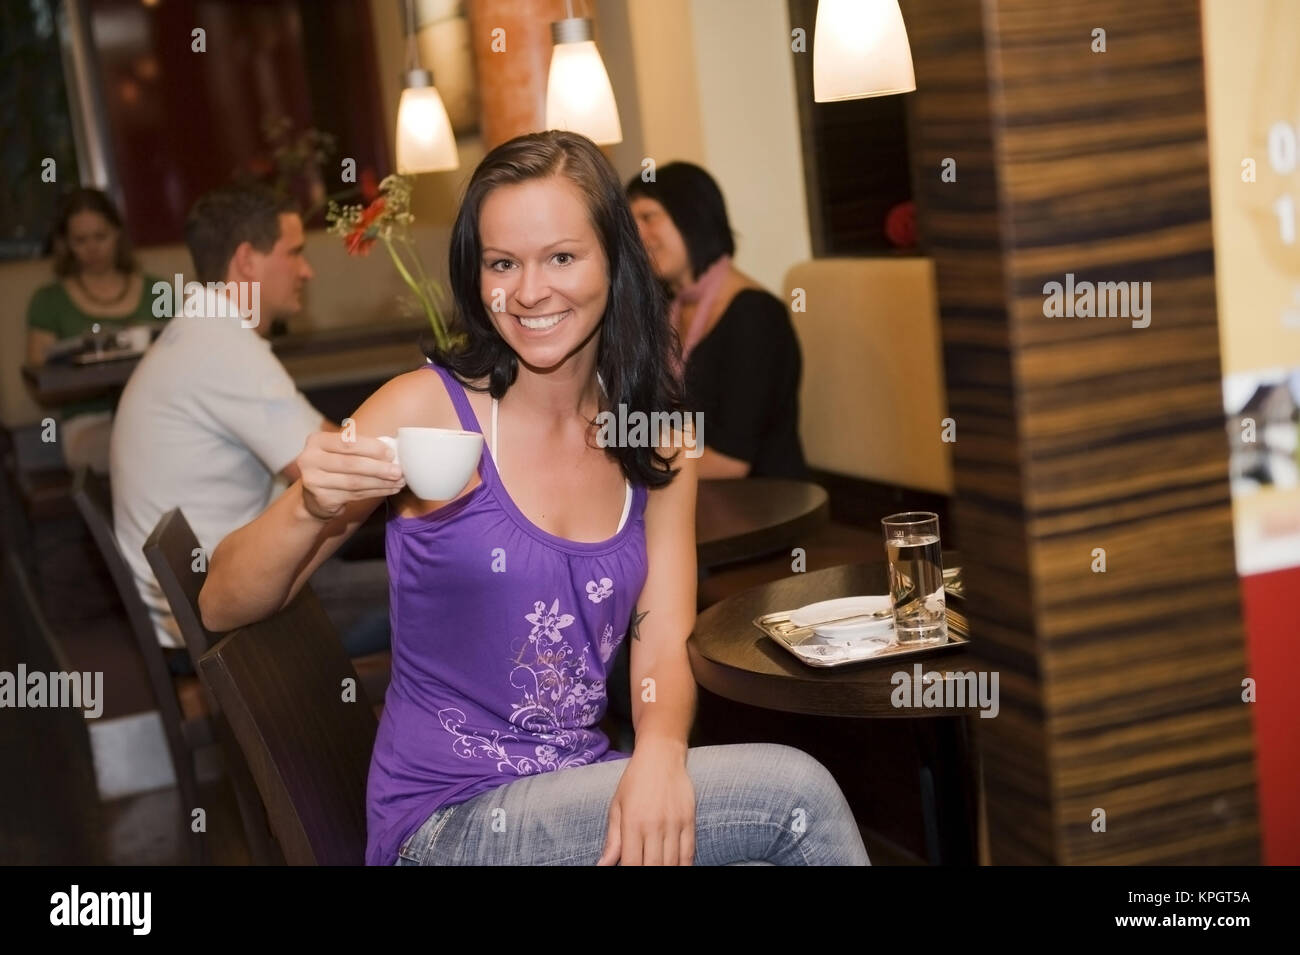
(879, 628)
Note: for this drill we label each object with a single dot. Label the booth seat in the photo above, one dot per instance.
(872, 401)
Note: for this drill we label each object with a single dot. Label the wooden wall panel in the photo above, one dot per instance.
(1120, 690)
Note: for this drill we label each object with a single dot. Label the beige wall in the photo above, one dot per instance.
(614, 27)
(663, 55)
(750, 123)
(715, 86)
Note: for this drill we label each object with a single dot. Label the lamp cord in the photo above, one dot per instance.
(412, 50)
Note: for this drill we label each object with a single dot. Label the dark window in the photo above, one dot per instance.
(181, 122)
(34, 125)
(856, 161)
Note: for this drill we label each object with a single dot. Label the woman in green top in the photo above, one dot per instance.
(98, 282)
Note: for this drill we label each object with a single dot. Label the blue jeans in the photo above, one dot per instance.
(755, 804)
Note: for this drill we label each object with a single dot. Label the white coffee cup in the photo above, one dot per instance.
(135, 337)
(436, 462)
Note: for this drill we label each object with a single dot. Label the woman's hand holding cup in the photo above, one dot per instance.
(336, 472)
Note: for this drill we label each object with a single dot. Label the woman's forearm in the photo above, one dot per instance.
(254, 571)
(663, 710)
(39, 342)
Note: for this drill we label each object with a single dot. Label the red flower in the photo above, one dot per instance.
(260, 166)
(369, 184)
(364, 232)
(900, 224)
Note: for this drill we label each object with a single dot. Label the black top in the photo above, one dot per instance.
(744, 377)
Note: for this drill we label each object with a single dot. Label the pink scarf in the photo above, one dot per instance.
(703, 292)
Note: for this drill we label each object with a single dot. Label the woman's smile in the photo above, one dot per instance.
(542, 323)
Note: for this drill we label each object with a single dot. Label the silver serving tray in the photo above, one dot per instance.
(805, 648)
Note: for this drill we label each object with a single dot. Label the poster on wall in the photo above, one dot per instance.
(1263, 410)
(1253, 96)
(1253, 88)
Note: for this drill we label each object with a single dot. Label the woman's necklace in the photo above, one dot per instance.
(126, 286)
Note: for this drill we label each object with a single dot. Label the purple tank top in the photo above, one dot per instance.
(502, 635)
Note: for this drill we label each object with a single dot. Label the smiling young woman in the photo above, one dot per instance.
(509, 601)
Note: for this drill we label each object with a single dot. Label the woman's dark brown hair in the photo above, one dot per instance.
(694, 202)
(89, 200)
(636, 341)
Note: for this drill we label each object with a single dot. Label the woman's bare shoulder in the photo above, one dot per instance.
(417, 399)
(674, 503)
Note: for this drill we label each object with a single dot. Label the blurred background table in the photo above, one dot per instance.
(331, 366)
(751, 517)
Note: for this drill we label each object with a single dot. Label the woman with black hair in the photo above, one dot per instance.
(741, 358)
(509, 601)
(97, 282)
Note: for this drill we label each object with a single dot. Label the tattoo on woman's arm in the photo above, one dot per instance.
(633, 627)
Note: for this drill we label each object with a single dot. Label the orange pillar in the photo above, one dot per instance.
(511, 40)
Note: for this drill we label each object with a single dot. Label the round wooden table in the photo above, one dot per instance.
(735, 660)
(752, 517)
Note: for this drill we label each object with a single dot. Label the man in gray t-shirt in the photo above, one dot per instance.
(210, 419)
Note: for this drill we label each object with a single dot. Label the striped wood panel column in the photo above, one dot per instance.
(1120, 690)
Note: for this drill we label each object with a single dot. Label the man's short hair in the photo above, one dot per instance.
(226, 218)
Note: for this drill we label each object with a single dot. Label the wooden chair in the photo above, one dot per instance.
(171, 551)
(28, 496)
(56, 747)
(179, 699)
(34, 637)
(281, 684)
(43, 486)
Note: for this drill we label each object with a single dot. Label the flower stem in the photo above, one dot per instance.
(434, 319)
(432, 289)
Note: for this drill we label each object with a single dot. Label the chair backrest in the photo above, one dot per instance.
(92, 499)
(306, 732)
(91, 496)
(171, 552)
(90, 492)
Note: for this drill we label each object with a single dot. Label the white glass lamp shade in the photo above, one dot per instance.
(424, 139)
(578, 94)
(860, 49)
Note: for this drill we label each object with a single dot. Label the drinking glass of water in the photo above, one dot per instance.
(916, 578)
